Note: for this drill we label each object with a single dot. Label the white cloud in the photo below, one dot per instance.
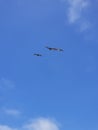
(76, 13)
(12, 112)
(37, 124)
(76, 7)
(42, 124)
(6, 84)
(5, 127)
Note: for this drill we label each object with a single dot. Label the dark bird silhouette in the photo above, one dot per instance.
(54, 49)
(37, 54)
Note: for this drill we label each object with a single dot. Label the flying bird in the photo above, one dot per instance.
(54, 49)
(37, 54)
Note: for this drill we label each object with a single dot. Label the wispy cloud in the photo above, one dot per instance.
(12, 112)
(41, 124)
(5, 127)
(36, 124)
(76, 7)
(76, 13)
(6, 84)
(85, 25)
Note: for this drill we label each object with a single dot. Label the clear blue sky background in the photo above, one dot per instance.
(61, 85)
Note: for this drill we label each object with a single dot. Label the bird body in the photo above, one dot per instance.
(36, 54)
(54, 49)
(49, 48)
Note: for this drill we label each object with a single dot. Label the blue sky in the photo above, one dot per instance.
(57, 91)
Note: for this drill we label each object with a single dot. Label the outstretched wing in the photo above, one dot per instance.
(49, 48)
(54, 49)
(37, 54)
(61, 50)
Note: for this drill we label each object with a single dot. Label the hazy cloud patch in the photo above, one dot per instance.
(12, 112)
(6, 84)
(5, 127)
(41, 124)
(76, 10)
(36, 124)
